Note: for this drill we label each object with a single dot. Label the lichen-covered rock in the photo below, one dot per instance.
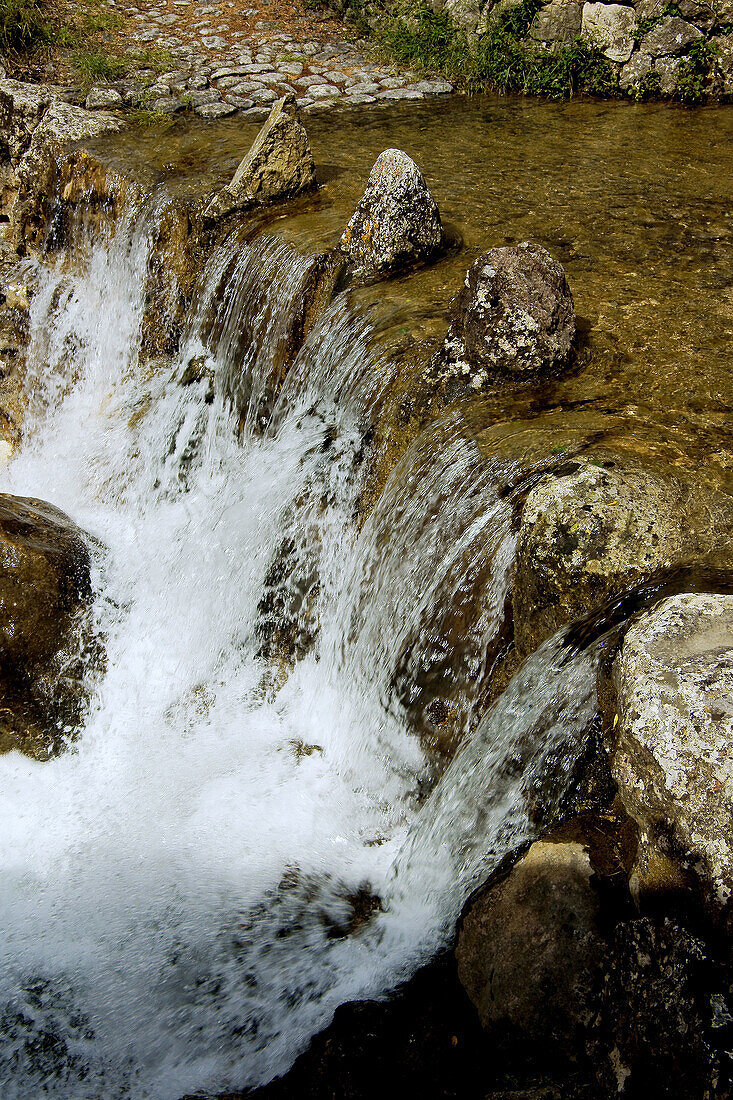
(44, 589)
(611, 28)
(586, 537)
(396, 223)
(558, 23)
(670, 37)
(635, 70)
(103, 99)
(61, 126)
(21, 108)
(513, 317)
(279, 165)
(673, 759)
(529, 951)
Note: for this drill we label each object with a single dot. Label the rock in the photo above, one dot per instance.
(44, 588)
(167, 105)
(671, 37)
(529, 951)
(396, 223)
(513, 317)
(557, 24)
(673, 759)
(661, 1012)
(611, 28)
(668, 69)
(103, 99)
(723, 66)
(216, 110)
(279, 165)
(634, 71)
(464, 14)
(62, 125)
(586, 537)
(21, 109)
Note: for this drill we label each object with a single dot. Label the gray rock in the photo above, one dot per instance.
(464, 14)
(723, 68)
(214, 42)
(364, 88)
(240, 102)
(103, 99)
(203, 98)
(21, 108)
(673, 759)
(215, 110)
(670, 38)
(529, 951)
(279, 165)
(167, 105)
(634, 71)
(611, 28)
(323, 91)
(514, 316)
(396, 223)
(557, 24)
(668, 69)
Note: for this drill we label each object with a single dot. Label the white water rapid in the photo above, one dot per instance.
(176, 908)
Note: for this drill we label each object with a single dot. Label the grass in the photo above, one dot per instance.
(24, 25)
(499, 59)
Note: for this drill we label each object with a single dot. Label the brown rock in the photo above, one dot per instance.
(279, 165)
(529, 951)
(514, 317)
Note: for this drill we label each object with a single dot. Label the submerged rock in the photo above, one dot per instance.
(44, 587)
(673, 760)
(514, 317)
(396, 224)
(279, 165)
(529, 951)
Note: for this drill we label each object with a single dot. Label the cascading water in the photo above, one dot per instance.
(178, 909)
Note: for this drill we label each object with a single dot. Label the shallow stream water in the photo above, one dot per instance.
(239, 841)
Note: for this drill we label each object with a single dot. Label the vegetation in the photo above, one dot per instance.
(499, 59)
(694, 71)
(24, 25)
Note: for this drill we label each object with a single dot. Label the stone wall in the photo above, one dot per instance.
(657, 48)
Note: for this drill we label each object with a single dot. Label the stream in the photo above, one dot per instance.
(248, 831)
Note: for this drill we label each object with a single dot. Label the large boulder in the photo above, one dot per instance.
(558, 23)
(529, 951)
(586, 537)
(513, 318)
(673, 758)
(279, 165)
(670, 37)
(396, 224)
(44, 589)
(611, 28)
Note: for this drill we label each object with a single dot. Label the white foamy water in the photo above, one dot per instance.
(175, 887)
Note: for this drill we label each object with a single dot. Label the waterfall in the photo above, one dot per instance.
(248, 830)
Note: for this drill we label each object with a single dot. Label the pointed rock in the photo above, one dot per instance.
(279, 165)
(397, 222)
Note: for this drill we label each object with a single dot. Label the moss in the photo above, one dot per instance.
(500, 59)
